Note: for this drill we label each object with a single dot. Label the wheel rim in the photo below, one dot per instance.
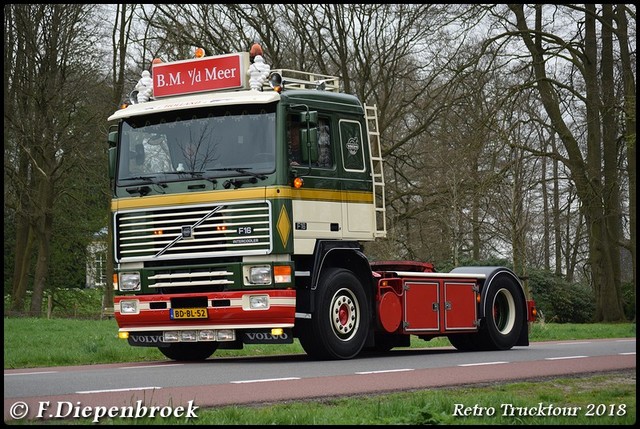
(345, 314)
(504, 311)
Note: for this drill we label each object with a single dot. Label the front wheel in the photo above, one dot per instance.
(339, 325)
(189, 351)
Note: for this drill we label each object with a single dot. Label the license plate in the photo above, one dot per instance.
(189, 313)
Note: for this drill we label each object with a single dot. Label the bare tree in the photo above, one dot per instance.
(585, 167)
(49, 75)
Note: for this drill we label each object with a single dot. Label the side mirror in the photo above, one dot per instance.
(309, 118)
(309, 144)
(113, 155)
(113, 138)
(112, 152)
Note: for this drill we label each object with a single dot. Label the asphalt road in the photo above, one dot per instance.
(73, 391)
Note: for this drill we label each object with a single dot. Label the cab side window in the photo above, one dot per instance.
(352, 146)
(325, 158)
(324, 150)
(293, 140)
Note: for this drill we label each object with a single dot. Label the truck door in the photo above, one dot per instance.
(356, 190)
(317, 207)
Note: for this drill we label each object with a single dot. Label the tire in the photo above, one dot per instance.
(468, 342)
(504, 314)
(338, 327)
(384, 342)
(189, 351)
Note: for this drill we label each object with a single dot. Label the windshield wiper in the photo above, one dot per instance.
(142, 190)
(244, 171)
(196, 174)
(193, 173)
(145, 178)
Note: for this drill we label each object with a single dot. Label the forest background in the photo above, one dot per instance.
(508, 132)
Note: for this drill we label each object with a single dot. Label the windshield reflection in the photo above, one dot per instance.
(197, 144)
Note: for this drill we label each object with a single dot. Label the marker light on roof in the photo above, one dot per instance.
(275, 80)
(199, 53)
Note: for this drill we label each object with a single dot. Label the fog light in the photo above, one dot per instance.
(188, 336)
(258, 302)
(129, 306)
(226, 335)
(171, 337)
(207, 335)
(123, 335)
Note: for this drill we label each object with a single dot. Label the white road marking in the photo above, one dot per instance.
(565, 357)
(128, 389)
(265, 379)
(152, 366)
(483, 363)
(32, 373)
(385, 370)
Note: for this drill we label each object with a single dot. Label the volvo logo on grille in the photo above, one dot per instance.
(187, 231)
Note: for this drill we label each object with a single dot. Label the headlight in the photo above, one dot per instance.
(129, 282)
(260, 275)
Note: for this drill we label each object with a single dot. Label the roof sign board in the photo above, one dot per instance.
(213, 73)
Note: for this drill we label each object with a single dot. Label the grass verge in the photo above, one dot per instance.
(35, 342)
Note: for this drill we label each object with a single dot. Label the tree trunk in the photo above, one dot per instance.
(23, 247)
(556, 211)
(546, 232)
(630, 128)
(611, 185)
(45, 229)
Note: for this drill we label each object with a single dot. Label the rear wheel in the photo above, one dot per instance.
(504, 318)
(504, 313)
(339, 324)
(189, 351)
(468, 342)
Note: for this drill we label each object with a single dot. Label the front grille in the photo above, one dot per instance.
(195, 231)
(187, 277)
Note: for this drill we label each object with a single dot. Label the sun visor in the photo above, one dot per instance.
(196, 102)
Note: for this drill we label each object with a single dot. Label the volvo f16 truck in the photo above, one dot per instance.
(241, 199)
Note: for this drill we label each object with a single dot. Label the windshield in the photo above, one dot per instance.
(174, 146)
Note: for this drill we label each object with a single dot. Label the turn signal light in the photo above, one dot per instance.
(298, 182)
(282, 273)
